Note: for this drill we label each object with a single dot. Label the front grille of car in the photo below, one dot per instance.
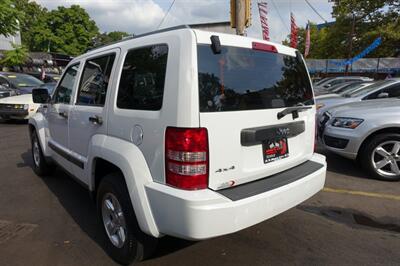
(337, 143)
(6, 106)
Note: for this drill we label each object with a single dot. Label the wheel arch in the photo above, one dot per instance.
(110, 154)
(391, 129)
(38, 124)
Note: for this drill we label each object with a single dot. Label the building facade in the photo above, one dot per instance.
(5, 42)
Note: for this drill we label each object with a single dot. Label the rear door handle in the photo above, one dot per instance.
(63, 114)
(97, 120)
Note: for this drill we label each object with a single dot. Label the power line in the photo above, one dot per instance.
(309, 4)
(279, 14)
(166, 14)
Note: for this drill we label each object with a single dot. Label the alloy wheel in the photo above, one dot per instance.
(386, 159)
(114, 220)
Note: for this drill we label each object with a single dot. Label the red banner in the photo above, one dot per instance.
(308, 41)
(262, 9)
(293, 31)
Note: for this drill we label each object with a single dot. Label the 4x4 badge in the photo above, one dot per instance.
(220, 170)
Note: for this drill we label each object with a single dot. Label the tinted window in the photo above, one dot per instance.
(246, 79)
(64, 89)
(393, 91)
(370, 88)
(94, 81)
(142, 80)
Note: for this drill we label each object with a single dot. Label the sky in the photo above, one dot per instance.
(140, 16)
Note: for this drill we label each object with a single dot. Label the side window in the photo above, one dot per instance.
(142, 80)
(373, 95)
(394, 91)
(94, 81)
(64, 90)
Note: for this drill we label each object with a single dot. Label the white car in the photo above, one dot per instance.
(20, 107)
(182, 132)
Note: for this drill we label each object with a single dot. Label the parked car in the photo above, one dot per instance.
(388, 88)
(324, 91)
(338, 80)
(367, 131)
(19, 82)
(344, 89)
(165, 150)
(21, 107)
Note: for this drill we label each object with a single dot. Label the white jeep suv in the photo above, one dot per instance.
(182, 132)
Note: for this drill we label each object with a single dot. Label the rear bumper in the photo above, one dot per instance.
(206, 213)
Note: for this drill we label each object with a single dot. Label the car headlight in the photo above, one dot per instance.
(346, 122)
(26, 106)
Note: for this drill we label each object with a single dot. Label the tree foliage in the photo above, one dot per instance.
(15, 57)
(9, 17)
(373, 19)
(68, 30)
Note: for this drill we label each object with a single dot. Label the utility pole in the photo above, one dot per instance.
(240, 15)
(351, 41)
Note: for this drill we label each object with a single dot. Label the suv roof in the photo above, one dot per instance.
(282, 48)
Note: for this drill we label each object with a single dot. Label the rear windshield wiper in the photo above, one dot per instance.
(292, 110)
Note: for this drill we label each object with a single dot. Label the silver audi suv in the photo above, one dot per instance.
(367, 131)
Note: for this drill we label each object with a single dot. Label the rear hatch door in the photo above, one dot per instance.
(244, 96)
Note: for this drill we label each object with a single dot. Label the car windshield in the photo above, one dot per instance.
(336, 87)
(246, 79)
(23, 80)
(365, 90)
(322, 81)
(359, 87)
(349, 87)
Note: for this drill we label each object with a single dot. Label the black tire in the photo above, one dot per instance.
(138, 245)
(40, 166)
(367, 151)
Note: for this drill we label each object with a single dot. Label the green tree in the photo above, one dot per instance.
(9, 17)
(64, 30)
(15, 57)
(373, 19)
(68, 30)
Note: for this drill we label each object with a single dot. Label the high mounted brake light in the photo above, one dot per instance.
(186, 158)
(264, 47)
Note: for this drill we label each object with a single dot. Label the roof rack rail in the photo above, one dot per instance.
(139, 36)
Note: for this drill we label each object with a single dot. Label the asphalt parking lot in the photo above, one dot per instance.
(51, 221)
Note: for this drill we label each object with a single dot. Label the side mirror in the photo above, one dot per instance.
(40, 95)
(383, 95)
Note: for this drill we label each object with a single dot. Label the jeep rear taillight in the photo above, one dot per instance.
(186, 158)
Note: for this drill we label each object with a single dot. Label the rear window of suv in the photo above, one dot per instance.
(246, 79)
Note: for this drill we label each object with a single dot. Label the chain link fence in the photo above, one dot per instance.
(364, 65)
